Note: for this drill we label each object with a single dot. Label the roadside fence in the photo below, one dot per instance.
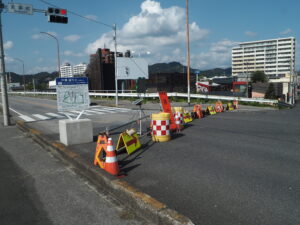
(133, 94)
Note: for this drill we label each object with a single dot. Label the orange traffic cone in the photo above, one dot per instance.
(111, 162)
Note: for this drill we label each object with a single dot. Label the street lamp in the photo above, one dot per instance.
(21, 61)
(188, 50)
(57, 44)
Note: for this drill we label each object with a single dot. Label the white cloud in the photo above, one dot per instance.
(8, 59)
(155, 29)
(218, 55)
(37, 36)
(38, 69)
(92, 17)
(286, 31)
(250, 33)
(8, 45)
(42, 36)
(72, 38)
(39, 60)
(71, 53)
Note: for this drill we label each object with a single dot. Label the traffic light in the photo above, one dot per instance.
(56, 15)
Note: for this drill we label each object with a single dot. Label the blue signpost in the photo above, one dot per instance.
(72, 94)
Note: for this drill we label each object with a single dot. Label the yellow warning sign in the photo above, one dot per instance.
(211, 110)
(187, 117)
(131, 142)
(230, 106)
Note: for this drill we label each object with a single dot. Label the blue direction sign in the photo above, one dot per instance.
(71, 80)
(72, 93)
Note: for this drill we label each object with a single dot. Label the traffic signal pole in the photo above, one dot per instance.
(57, 16)
(5, 107)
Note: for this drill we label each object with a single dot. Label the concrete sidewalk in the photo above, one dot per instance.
(38, 189)
(81, 157)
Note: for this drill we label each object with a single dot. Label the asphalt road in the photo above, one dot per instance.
(36, 188)
(240, 167)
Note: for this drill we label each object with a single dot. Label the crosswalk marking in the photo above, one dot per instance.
(114, 109)
(41, 116)
(69, 114)
(55, 115)
(96, 112)
(84, 113)
(26, 118)
(104, 111)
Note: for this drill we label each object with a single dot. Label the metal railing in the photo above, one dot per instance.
(155, 95)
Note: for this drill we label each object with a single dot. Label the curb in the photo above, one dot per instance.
(142, 203)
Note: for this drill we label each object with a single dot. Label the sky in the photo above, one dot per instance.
(152, 29)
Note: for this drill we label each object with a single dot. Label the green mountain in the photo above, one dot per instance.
(176, 67)
(41, 80)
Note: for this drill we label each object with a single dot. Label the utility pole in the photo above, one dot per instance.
(116, 64)
(188, 51)
(5, 105)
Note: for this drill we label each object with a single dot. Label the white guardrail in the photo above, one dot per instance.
(155, 95)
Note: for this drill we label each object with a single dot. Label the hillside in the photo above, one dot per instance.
(176, 67)
(43, 77)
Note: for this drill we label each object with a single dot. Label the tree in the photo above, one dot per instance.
(258, 76)
(270, 93)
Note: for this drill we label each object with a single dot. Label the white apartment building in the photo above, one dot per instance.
(79, 69)
(276, 57)
(66, 70)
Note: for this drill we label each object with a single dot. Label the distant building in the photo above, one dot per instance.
(66, 70)
(101, 71)
(275, 57)
(79, 69)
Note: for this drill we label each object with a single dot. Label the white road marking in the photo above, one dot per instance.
(84, 113)
(110, 108)
(55, 115)
(27, 118)
(69, 114)
(16, 112)
(41, 116)
(115, 109)
(96, 112)
(104, 111)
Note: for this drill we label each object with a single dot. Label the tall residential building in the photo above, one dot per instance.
(66, 70)
(79, 69)
(275, 57)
